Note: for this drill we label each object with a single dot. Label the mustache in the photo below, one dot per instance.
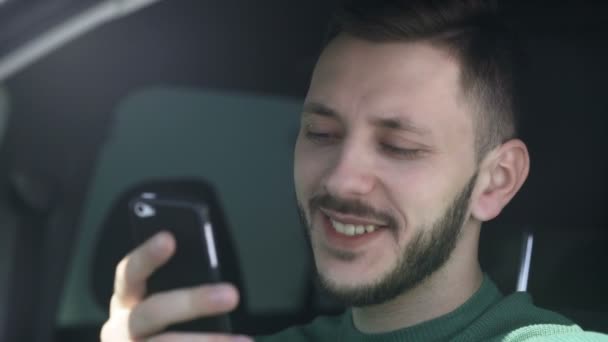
(351, 207)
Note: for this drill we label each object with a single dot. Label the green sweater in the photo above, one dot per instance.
(486, 316)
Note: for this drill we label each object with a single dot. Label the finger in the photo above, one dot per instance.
(133, 271)
(173, 337)
(116, 329)
(163, 309)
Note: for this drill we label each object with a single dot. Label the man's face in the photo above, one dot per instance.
(384, 166)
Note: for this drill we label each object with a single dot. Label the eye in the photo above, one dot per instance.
(320, 135)
(399, 151)
(317, 135)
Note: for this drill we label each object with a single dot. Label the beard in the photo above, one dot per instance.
(427, 251)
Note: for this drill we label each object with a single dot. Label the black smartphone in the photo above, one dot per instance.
(195, 261)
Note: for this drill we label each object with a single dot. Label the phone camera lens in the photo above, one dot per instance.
(144, 210)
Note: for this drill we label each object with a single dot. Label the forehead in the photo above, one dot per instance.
(412, 79)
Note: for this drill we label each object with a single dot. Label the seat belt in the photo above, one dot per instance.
(525, 260)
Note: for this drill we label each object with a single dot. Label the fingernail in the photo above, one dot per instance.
(223, 294)
(160, 241)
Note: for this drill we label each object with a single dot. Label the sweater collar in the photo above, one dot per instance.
(437, 329)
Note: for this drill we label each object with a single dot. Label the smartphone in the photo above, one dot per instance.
(195, 261)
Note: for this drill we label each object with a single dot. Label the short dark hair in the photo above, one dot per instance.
(474, 31)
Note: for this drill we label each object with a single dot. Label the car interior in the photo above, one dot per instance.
(186, 92)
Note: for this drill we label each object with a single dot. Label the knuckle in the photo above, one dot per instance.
(114, 303)
(137, 321)
(150, 316)
(109, 331)
(103, 334)
(120, 276)
(121, 268)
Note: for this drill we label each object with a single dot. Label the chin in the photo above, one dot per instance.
(347, 276)
(352, 292)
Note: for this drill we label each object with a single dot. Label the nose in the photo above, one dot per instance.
(352, 174)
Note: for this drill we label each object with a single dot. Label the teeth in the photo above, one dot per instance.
(351, 229)
(338, 226)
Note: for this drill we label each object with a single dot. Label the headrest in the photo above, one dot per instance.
(241, 144)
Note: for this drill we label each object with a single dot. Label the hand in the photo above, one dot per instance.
(133, 317)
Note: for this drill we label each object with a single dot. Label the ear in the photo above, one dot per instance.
(502, 174)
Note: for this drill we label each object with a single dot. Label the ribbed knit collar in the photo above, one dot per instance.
(439, 329)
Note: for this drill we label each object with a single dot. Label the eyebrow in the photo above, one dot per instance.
(392, 123)
(319, 109)
(400, 124)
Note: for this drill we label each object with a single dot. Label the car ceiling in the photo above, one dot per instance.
(22, 20)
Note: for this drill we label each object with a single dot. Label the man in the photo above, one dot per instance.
(407, 144)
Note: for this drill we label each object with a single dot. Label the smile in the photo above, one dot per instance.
(349, 225)
(351, 229)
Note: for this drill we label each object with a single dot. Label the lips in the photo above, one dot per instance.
(351, 219)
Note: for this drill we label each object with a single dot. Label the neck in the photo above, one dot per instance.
(441, 293)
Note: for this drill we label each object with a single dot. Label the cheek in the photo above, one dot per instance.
(407, 182)
(415, 190)
(307, 169)
(423, 194)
